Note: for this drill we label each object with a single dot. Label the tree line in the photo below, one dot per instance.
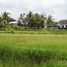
(30, 20)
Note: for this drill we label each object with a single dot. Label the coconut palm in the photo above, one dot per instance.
(6, 19)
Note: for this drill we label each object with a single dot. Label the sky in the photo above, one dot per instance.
(56, 8)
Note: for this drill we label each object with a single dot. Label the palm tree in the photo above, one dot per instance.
(6, 19)
(21, 19)
(50, 20)
(5, 16)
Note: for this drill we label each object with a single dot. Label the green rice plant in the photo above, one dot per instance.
(36, 48)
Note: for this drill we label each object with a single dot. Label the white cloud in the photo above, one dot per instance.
(47, 3)
(55, 7)
(32, 3)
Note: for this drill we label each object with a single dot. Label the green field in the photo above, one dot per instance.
(33, 31)
(33, 50)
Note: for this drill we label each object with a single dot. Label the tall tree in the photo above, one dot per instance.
(32, 20)
(21, 19)
(35, 20)
(50, 20)
(6, 19)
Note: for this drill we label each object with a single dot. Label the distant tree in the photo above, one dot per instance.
(5, 16)
(35, 20)
(50, 20)
(21, 20)
(6, 19)
(39, 19)
(0, 22)
(29, 17)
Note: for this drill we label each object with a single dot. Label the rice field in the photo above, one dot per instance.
(33, 50)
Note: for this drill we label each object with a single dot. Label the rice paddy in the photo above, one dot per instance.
(36, 50)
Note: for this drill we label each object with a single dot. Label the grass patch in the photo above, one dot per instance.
(34, 49)
(33, 31)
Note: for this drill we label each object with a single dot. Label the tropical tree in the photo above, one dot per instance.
(0, 22)
(40, 20)
(6, 19)
(21, 20)
(50, 20)
(35, 20)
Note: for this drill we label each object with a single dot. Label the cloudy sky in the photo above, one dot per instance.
(57, 8)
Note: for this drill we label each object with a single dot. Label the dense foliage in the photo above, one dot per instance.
(35, 20)
(5, 19)
(30, 20)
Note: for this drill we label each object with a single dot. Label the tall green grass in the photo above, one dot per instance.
(33, 48)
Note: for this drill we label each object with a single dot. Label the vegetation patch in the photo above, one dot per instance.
(33, 48)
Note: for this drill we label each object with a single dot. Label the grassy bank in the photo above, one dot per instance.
(34, 49)
(33, 31)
